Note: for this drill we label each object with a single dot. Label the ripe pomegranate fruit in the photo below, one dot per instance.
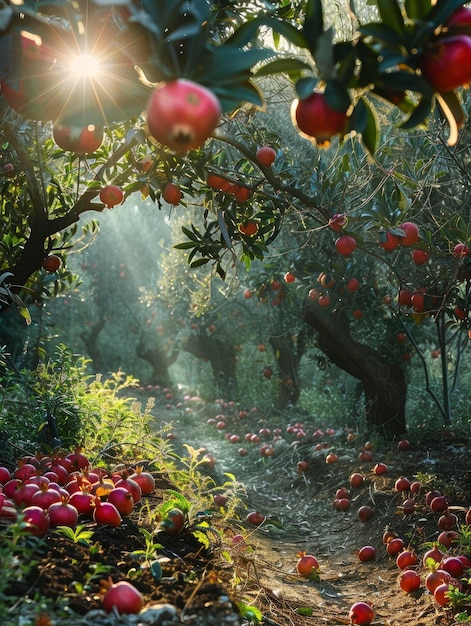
(338, 221)
(172, 194)
(412, 234)
(266, 155)
(182, 114)
(388, 241)
(461, 17)
(80, 141)
(111, 195)
(446, 64)
(345, 245)
(361, 613)
(123, 597)
(52, 263)
(307, 566)
(420, 256)
(460, 250)
(315, 119)
(409, 580)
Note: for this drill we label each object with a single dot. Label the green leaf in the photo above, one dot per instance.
(381, 32)
(324, 54)
(305, 87)
(280, 66)
(337, 96)
(417, 9)
(419, 115)
(363, 120)
(251, 613)
(304, 610)
(391, 15)
(313, 26)
(199, 262)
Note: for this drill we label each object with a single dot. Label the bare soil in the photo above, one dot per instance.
(203, 586)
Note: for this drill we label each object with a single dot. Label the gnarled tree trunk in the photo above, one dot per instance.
(288, 354)
(159, 359)
(384, 383)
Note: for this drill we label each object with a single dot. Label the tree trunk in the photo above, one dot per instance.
(288, 355)
(159, 360)
(222, 358)
(384, 383)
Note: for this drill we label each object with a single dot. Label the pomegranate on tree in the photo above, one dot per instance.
(266, 155)
(52, 263)
(182, 114)
(446, 64)
(80, 141)
(172, 194)
(316, 119)
(111, 195)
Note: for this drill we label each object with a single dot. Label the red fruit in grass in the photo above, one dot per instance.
(403, 445)
(394, 546)
(356, 480)
(406, 558)
(11, 486)
(63, 513)
(106, 514)
(467, 518)
(172, 194)
(302, 467)
(388, 535)
(402, 484)
(447, 521)
(266, 155)
(366, 456)
(345, 245)
(366, 554)
(145, 480)
(132, 486)
(37, 520)
(25, 471)
(78, 460)
(173, 522)
(315, 119)
(255, 518)
(84, 502)
(122, 597)
(111, 195)
(5, 475)
(364, 513)
(408, 506)
(453, 565)
(24, 493)
(182, 114)
(331, 458)
(44, 497)
(434, 554)
(430, 495)
(420, 257)
(447, 538)
(361, 613)
(439, 504)
(338, 221)
(412, 234)
(307, 566)
(409, 580)
(446, 64)
(441, 594)
(122, 499)
(342, 492)
(80, 141)
(52, 263)
(415, 487)
(220, 499)
(435, 578)
(342, 504)
(380, 468)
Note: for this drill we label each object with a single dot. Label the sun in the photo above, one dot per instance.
(84, 66)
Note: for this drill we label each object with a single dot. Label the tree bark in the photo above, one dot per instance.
(158, 359)
(222, 358)
(384, 383)
(288, 355)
